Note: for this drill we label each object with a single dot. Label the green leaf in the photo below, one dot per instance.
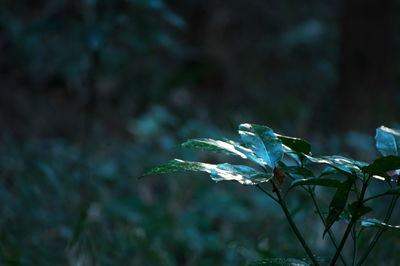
(280, 262)
(392, 191)
(219, 172)
(340, 163)
(338, 203)
(377, 223)
(225, 146)
(329, 171)
(325, 182)
(213, 145)
(388, 141)
(382, 165)
(357, 211)
(263, 142)
(295, 144)
(297, 170)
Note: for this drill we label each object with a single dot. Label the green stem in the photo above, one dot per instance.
(319, 212)
(331, 236)
(351, 223)
(293, 225)
(355, 247)
(341, 245)
(380, 232)
(267, 193)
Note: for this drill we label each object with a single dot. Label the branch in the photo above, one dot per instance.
(380, 232)
(293, 225)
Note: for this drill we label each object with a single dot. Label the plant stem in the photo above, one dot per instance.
(341, 245)
(293, 225)
(351, 223)
(331, 236)
(380, 232)
(267, 193)
(319, 212)
(355, 247)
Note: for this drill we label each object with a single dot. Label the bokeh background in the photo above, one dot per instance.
(96, 92)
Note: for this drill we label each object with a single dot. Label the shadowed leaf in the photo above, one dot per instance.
(297, 170)
(382, 165)
(295, 144)
(325, 182)
(337, 204)
(358, 211)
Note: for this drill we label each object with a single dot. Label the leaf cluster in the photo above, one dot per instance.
(278, 157)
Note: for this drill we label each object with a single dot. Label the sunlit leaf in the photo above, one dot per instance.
(340, 163)
(213, 145)
(325, 182)
(382, 165)
(292, 154)
(225, 146)
(377, 223)
(388, 141)
(263, 142)
(243, 174)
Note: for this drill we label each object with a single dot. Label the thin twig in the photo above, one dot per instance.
(351, 223)
(267, 193)
(330, 234)
(355, 246)
(380, 232)
(319, 212)
(293, 225)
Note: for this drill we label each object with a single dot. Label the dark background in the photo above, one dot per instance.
(94, 93)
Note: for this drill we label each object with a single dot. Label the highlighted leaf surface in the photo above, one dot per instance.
(263, 142)
(225, 146)
(388, 141)
(379, 224)
(218, 172)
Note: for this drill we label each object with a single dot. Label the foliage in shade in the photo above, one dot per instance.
(325, 182)
(392, 191)
(357, 209)
(382, 165)
(338, 204)
(297, 170)
(296, 144)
